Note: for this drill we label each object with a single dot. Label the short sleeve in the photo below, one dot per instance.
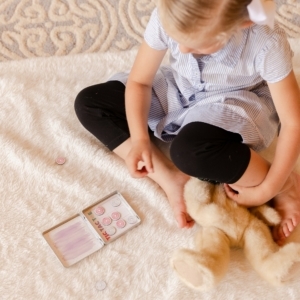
(274, 60)
(154, 34)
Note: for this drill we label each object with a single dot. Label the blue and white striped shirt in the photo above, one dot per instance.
(227, 89)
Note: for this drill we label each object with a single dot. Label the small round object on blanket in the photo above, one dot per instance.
(60, 160)
(100, 285)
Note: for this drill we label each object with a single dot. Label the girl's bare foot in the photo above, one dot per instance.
(173, 186)
(287, 203)
(168, 177)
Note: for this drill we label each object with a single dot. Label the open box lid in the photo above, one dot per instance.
(72, 240)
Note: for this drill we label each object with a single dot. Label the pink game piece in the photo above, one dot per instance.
(60, 160)
(115, 215)
(100, 210)
(106, 221)
(121, 223)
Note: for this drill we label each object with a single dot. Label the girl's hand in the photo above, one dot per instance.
(248, 196)
(139, 160)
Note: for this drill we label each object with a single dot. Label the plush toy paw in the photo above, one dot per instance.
(185, 263)
(195, 270)
(280, 267)
(266, 214)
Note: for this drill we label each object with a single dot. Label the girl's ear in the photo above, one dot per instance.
(246, 24)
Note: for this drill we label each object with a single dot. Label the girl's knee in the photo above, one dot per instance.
(97, 96)
(188, 142)
(82, 100)
(209, 153)
(93, 98)
(102, 106)
(80, 104)
(186, 152)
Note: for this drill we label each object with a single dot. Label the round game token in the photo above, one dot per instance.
(116, 202)
(60, 160)
(116, 215)
(111, 230)
(132, 220)
(100, 285)
(121, 223)
(100, 210)
(106, 221)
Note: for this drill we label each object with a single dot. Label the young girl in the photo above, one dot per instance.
(219, 103)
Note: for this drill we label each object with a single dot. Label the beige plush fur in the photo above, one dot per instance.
(224, 224)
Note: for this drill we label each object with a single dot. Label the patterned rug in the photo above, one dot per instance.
(288, 15)
(39, 28)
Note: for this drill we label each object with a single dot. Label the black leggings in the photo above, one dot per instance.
(200, 149)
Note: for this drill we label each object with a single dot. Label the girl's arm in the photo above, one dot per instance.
(286, 97)
(137, 103)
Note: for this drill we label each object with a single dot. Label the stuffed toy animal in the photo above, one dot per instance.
(225, 224)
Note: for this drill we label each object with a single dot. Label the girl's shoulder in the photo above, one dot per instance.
(154, 34)
(261, 35)
(270, 51)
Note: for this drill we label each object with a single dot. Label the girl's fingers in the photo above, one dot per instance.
(135, 170)
(139, 172)
(142, 172)
(230, 192)
(148, 163)
(189, 221)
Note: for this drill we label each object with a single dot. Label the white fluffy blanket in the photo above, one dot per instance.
(38, 123)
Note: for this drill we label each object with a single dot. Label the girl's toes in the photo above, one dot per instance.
(296, 220)
(281, 234)
(285, 230)
(290, 225)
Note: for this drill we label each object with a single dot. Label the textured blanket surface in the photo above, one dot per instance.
(38, 124)
(38, 28)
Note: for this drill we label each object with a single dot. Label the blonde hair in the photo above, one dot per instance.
(218, 17)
